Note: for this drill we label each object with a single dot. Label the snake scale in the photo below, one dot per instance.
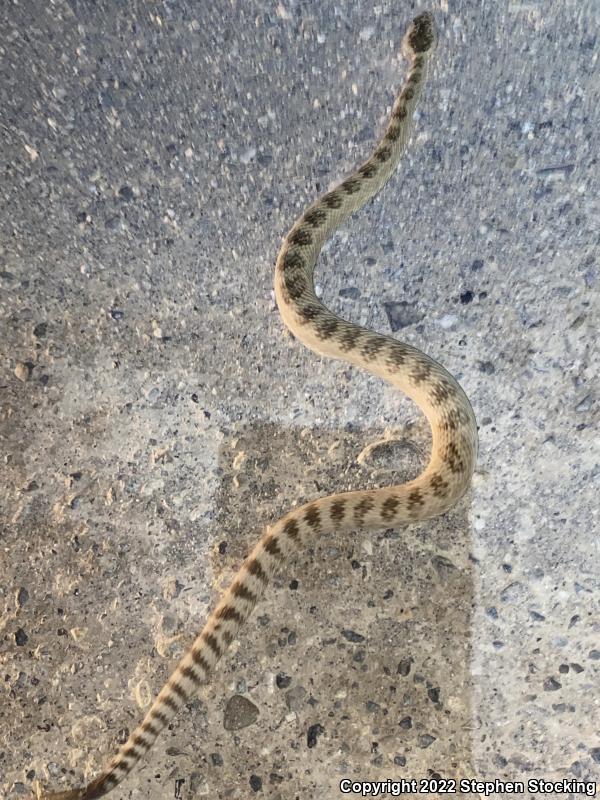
(436, 392)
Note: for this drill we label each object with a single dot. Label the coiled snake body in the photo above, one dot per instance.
(435, 391)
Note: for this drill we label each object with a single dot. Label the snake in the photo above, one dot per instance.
(435, 391)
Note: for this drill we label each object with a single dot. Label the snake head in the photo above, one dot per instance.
(421, 35)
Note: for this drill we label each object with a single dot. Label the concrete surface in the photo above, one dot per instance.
(155, 415)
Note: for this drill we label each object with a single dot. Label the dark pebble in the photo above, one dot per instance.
(425, 740)
(399, 761)
(402, 314)
(282, 680)
(552, 685)
(126, 193)
(22, 597)
(21, 637)
(466, 297)
(406, 723)
(313, 733)
(404, 666)
(255, 783)
(595, 754)
(434, 695)
(239, 713)
(217, 759)
(352, 636)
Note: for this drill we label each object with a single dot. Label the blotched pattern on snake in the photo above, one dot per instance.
(436, 392)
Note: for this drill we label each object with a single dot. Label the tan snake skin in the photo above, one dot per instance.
(435, 391)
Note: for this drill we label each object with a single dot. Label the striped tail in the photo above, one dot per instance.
(275, 546)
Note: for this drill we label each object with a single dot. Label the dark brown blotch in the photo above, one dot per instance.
(170, 702)
(368, 170)
(399, 112)
(338, 510)
(239, 589)
(420, 374)
(309, 312)
(349, 338)
(383, 153)
(351, 186)
(200, 661)
(327, 327)
(453, 458)
(362, 509)
(414, 499)
(255, 569)
(292, 261)
(315, 217)
(149, 727)
(388, 509)
(178, 690)
(393, 133)
(332, 200)
(438, 485)
(408, 93)
(372, 347)
(312, 517)
(189, 672)
(213, 643)
(271, 546)
(296, 284)
(230, 613)
(291, 530)
(301, 238)
(156, 713)
(396, 356)
(441, 391)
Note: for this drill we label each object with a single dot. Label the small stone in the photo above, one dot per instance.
(40, 330)
(404, 666)
(22, 597)
(23, 370)
(239, 713)
(351, 292)
(21, 638)
(313, 733)
(594, 655)
(295, 698)
(402, 314)
(425, 740)
(400, 761)
(217, 759)
(282, 680)
(595, 754)
(434, 695)
(577, 668)
(126, 193)
(352, 636)
(552, 685)
(406, 723)
(255, 783)
(466, 297)
(563, 669)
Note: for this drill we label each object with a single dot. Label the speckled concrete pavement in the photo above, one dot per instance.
(155, 414)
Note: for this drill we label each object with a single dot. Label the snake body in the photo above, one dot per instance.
(436, 392)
